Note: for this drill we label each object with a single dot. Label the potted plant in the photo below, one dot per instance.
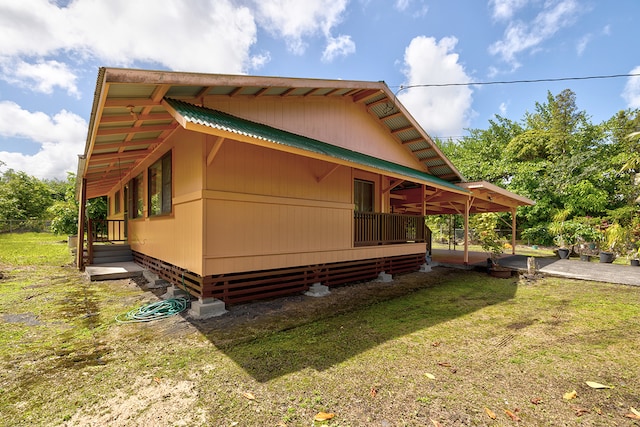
(491, 242)
(617, 238)
(587, 237)
(564, 230)
(634, 258)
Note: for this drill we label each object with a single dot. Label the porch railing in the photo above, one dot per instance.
(104, 230)
(372, 229)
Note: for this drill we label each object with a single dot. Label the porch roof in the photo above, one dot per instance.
(129, 121)
(215, 122)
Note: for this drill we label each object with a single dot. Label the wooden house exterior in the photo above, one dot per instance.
(242, 187)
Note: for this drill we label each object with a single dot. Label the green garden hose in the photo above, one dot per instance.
(154, 311)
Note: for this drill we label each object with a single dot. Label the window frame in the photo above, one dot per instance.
(161, 188)
(358, 201)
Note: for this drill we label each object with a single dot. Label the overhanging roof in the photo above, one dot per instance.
(206, 120)
(128, 121)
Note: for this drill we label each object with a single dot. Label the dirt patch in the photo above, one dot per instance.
(28, 319)
(150, 402)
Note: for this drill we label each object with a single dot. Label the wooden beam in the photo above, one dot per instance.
(402, 129)
(235, 91)
(326, 174)
(126, 102)
(139, 129)
(214, 150)
(366, 94)
(393, 185)
(411, 141)
(126, 118)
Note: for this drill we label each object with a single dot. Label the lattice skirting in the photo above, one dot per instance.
(254, 285)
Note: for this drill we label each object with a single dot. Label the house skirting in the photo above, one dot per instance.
(254, 285)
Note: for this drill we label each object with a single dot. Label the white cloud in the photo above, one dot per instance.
(582, 43)
(522, 36)
(295, 20)
(199, 35)
(60, 137)
(631, 92)
(441, 111)
(402, 5)
(43, 76)
(339, 46)
(505, 9)
(503, 109)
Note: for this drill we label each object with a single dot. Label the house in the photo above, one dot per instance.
(239, 187)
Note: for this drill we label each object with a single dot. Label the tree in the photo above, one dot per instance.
(23, 197)
(558, 158)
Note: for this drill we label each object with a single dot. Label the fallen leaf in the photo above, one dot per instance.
(436, 344)
(249, 396)
(430, 376)
(490, 413)
(536, 401)
(323, 416)
(571, 395)
(445, 364)
(435, 423)
(581, 411)
(511, 415)
(634, 414)
(597, 385)
(157, 380)
(373, 392)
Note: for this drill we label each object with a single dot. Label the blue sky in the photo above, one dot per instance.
(50, 52)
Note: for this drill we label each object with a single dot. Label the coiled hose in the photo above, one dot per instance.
(154, 311)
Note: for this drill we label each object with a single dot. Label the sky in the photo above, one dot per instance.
(50, 52)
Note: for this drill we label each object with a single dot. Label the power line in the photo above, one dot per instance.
(507, 82)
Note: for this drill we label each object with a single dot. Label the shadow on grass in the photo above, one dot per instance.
(304, 332)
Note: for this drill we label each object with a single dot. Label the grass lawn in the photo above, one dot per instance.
(449, 348)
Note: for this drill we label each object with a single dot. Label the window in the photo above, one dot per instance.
(160, 186)
(363, 195)
(137, 199)
(116, 202)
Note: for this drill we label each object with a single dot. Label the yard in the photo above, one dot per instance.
(446, 348)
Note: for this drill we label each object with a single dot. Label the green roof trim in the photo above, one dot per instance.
(219, 120)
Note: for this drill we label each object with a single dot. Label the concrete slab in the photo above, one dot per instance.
(550, 266)
(119, 270)
(576, 269)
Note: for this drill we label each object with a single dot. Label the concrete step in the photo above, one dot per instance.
(111, 258)
(123, 270)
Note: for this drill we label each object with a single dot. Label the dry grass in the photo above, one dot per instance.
(366, 353)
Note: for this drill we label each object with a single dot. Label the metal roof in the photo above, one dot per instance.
(225, 122)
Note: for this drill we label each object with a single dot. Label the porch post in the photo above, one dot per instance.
(81, 215)
(467, 208)
(513, 231)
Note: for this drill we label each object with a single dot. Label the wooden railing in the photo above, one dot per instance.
(104, 230)
(372, 229)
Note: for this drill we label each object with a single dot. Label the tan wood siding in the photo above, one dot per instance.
(336, 121)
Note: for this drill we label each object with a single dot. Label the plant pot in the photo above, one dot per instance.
(635, 262)
(72, 241)
(606, 257)
(563, 253)
(585, 258)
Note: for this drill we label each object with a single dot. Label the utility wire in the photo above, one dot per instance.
(507, 82)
